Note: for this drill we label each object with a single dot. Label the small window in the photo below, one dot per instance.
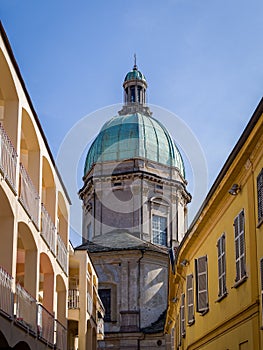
(201, 284)
(182, 316)
(261, 277)
(260, 196)
(221, 256)
(190, 299)
(159, 230)
(117, 184)
(105, 296)
(239, 229)
(159, 188)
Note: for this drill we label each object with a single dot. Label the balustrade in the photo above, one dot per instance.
(8, 158)
(6, 295)
(28, 195)
(48, 229)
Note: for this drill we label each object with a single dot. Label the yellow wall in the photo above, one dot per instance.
(234, 321)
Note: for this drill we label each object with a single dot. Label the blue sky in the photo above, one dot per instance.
(203, 61)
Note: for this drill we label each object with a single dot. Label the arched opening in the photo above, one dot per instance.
(21, 346)
(29, 168)
(8, 101)
(26, 262)
(62, 237)
(61, 300)
(3, 342)
(48, 208)
(46, 283)
(6, 232)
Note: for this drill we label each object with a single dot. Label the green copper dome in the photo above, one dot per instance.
(134, 136)
(134, 74)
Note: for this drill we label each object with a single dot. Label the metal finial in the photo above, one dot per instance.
(135, 65)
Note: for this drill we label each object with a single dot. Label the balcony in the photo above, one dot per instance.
(6, 295)
(100, 329)
(73, 299)
(29, 196)
(45, 325)
(62, 254)
(61, 336)
(25, 309)
(48, 229)
(8, 159)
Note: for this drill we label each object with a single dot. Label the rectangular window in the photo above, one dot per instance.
(105, 296)
(201, 284)
(159, 230)
(261, 277)
(190, 299)
(239, 229)
(182, 316)
(221, 254)
(260, 196)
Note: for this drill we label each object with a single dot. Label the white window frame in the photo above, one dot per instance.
(190, 299)
(157, 231)
(221, 259)
(240, 246)
(202, 305)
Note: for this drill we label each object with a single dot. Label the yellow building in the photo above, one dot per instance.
(216, 280)
(36, 292)
(85, 310)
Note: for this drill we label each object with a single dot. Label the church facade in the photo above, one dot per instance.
(134, 209)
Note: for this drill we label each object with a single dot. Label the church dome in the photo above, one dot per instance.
(134, 136)
(134, 74)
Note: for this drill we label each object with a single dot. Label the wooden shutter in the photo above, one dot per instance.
(260, 195)
(239, 228)
(190, 299)
(201, 284)
(221, 252)
(182, 315)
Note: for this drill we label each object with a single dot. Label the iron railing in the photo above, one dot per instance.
(89, 303)
(61, 336)
(45, 324)
(73, 299)
(48, 229)
(25, 309)
(6, 295)
(29, 196)
(62, 254)
(8, 158)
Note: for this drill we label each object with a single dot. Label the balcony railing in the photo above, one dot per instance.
(100, 328)
(26, 309)
(29, 196)
(45, 324)
(89, 303)
(62, 254)
(8, 158)
(73, 299)
(48, 230)
(61, 336)
(6, 295)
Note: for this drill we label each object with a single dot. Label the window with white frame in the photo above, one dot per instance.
(221, 256)
(190, 299)
(182, 316)
(260, 196)
(159, 230)
(239, 229)
(201, 284)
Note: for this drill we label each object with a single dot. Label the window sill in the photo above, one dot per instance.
(241, 281)
(204, 312)
(221, 297)
(190, 323)
(260, 222)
